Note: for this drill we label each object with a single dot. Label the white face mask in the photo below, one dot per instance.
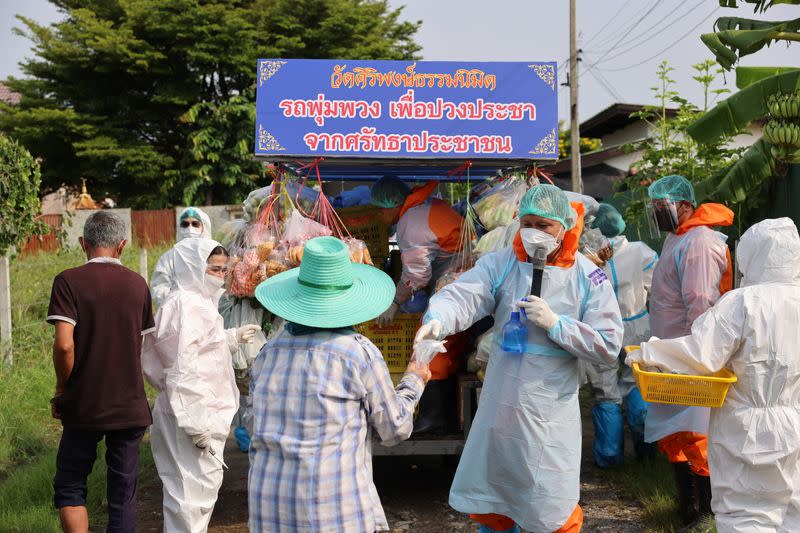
(189, 233)
(214, 282)
(532, 239)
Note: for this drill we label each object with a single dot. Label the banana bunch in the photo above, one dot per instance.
(784, 105)
(785, 154)
(778, 132)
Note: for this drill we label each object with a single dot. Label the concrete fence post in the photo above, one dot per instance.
(5, 312)
(143, 263)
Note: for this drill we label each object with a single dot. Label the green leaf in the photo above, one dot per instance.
(746, 76)
(745, 176)
(760, 5)
(19, 189)
(737, 111)
(737, 37)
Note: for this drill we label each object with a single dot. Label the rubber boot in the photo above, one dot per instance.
(609, 440)
(687, 504)
(242, 439)
(636, 412)
(433, 408)
(645, 451)
(703, 484)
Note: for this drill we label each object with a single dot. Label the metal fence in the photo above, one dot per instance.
(48, 242)
(149, 228)
(153, 227)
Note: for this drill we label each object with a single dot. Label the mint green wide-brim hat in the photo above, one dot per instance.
(327, 290)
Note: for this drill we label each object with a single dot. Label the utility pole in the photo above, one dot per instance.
(575, 156)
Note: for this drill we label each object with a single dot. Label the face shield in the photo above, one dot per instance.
(662, 216)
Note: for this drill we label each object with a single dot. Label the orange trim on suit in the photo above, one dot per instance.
(499, 522)
(687, 445)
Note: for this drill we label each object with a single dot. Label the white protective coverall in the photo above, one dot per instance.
(630, 271)
(686, 282)
(754, 438)
(163, 278)
(522, 457)
(188, 359)
(427, 234)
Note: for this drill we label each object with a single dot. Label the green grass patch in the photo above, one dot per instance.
(28, 435)
(652, 483)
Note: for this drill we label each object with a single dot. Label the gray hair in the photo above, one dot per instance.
(104, 229)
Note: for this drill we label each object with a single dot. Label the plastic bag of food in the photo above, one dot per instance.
(485, 347)
(279, 261)
(497, 239)
(230, 232)
(426, 350)
(299, 229)
(499, 206)
(594, 245)
(590, 205)
(254, 201)
(245, 275)
(359, 253)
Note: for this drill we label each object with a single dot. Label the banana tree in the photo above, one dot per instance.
(771, 93)
(737, 37)
(742, 182)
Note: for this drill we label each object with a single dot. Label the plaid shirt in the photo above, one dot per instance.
(316, 400)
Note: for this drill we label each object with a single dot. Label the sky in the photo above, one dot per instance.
(623, 41)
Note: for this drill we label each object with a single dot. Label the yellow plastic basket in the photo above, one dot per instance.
(682, 389)
(396, 342)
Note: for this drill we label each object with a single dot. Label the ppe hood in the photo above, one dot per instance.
(769, 252)
(191, 259)
(194, 212)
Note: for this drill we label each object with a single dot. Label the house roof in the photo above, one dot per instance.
(8, 96)
(613, 118)
(588, 159)
(598, 181)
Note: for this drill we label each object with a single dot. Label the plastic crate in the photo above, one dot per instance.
(362, 223)
(682, 389)
(396, 341)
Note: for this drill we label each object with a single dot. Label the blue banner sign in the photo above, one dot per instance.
(406, 109)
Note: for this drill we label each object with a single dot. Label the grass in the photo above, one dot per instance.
(652, 484)
(28, 435)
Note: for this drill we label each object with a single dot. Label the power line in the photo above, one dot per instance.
(665, 26)
(682, 37)
(650, 10)
(609, 89)
(605, 26)
(627, 26)
(611, 85)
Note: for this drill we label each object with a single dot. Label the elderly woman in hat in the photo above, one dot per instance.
(318, 392)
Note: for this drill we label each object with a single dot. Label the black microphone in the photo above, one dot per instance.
(538, 260)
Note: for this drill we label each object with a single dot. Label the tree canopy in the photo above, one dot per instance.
(153, 100)
(19, 199)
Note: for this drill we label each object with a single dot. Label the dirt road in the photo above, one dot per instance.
(414, 493)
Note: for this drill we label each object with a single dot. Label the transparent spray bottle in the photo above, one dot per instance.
(515, 332)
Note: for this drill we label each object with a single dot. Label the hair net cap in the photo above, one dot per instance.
(190, 212)
(673, 188)
(609, 221)
(548, 201)
(389, 192)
